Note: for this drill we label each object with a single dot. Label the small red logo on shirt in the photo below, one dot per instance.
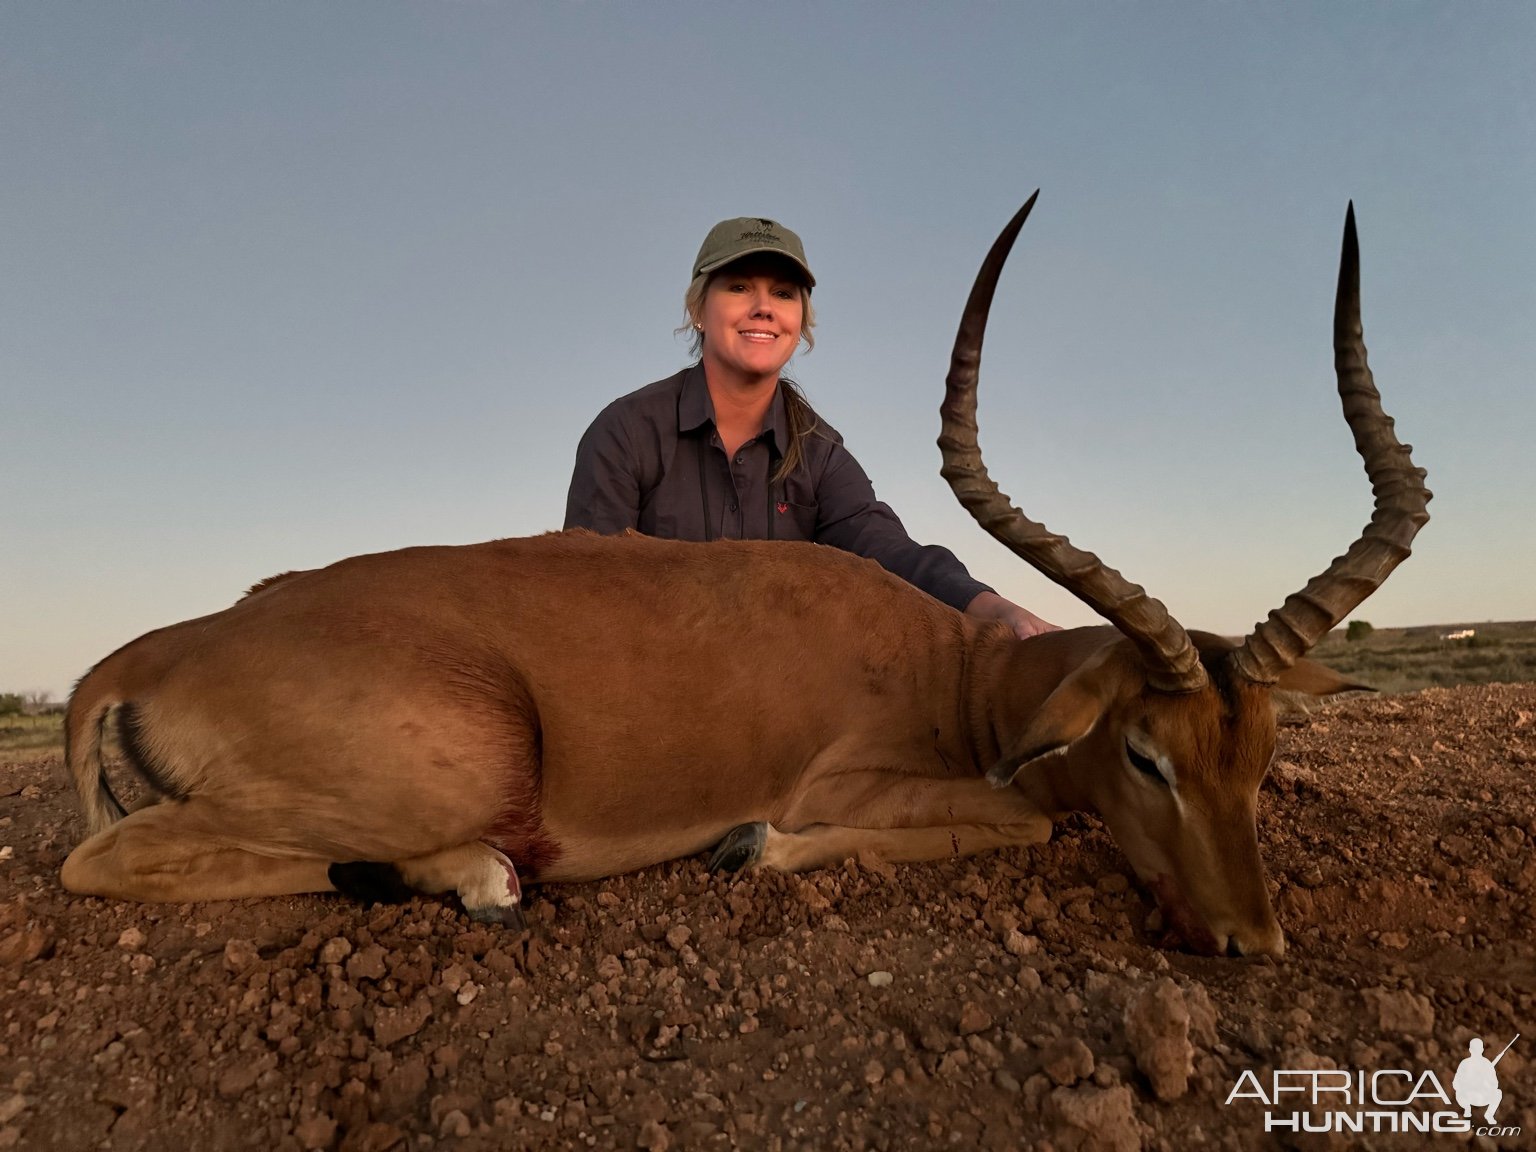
(783, 508)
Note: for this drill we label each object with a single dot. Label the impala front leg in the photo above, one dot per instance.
(897, 818)
(826, 845)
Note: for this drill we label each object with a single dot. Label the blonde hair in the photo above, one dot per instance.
(797, 409)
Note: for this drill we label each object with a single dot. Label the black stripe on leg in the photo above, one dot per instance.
(132, 735)
(369, 882)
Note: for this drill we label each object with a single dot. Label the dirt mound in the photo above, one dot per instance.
(1013, 1000)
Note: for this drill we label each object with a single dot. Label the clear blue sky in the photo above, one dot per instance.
(285, 282)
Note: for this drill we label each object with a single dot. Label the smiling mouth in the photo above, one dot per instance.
(758, 337)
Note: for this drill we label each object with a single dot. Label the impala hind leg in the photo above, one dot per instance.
(179, 851)
(485, 880)
(742, 847)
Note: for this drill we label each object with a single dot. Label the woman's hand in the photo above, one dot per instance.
(991, 606)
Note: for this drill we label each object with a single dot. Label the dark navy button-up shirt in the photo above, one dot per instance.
(652, 461)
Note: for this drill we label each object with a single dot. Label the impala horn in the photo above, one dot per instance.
(1308, 615)
(1171, 661)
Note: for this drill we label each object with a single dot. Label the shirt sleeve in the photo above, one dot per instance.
(605, 490)
(850, 517)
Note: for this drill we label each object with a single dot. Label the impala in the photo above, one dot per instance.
(572, 706)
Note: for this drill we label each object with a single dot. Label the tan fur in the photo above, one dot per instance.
(647, 696)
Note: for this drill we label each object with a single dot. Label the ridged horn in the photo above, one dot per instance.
(1306, 616)
(1171, 661)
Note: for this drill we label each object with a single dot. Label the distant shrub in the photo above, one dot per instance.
(12, 703)
(1358, 630)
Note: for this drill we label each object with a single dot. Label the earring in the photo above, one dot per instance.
(698, 327)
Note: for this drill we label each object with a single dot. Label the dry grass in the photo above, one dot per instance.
(1407, 659)
(24, 737)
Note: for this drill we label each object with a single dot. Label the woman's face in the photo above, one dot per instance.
(751, 320)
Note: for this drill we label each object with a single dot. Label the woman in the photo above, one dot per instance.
(729, 449)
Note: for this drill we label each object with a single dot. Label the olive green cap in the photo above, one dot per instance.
(745, 236)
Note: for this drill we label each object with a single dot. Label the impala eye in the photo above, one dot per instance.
(1143, 764)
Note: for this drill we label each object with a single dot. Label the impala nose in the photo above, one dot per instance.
(1268, 941)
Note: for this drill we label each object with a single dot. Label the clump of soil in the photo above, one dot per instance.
(1009, 1001)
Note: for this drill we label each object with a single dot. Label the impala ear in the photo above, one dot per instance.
(1068, 714)
(1314, 679)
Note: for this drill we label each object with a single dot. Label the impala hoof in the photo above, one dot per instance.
(369, 882)
(509, 917)
(742, 847)
(498, 900)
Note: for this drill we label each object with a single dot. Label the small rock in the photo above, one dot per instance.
(984, 1050)
(1018, 944)
(455, 1124)
(24, 945)
(392, 1025)
(1402, 1012)
(316, 1133)
(237, 1080)
(1288, 777)
(335, 950)
(240, 955)
(374, 1137)
(366, 964)
(973, 1018)
(932, 1037)
(1202, 1015)
(12, 1107)
(1068, 1060)
(678, 936)
(953, 1063)
(131, 939)
(880, 979)
(1157, 1027)
(1094, 1120)
(654, 1137)
(1039, 906)
(1481, 881)
(1036, 1088)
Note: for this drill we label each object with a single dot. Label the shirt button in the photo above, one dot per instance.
(733, 507)
(739, 458)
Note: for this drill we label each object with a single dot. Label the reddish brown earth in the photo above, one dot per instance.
(1011, 1001)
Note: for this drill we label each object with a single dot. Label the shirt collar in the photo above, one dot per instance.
(695, 409)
